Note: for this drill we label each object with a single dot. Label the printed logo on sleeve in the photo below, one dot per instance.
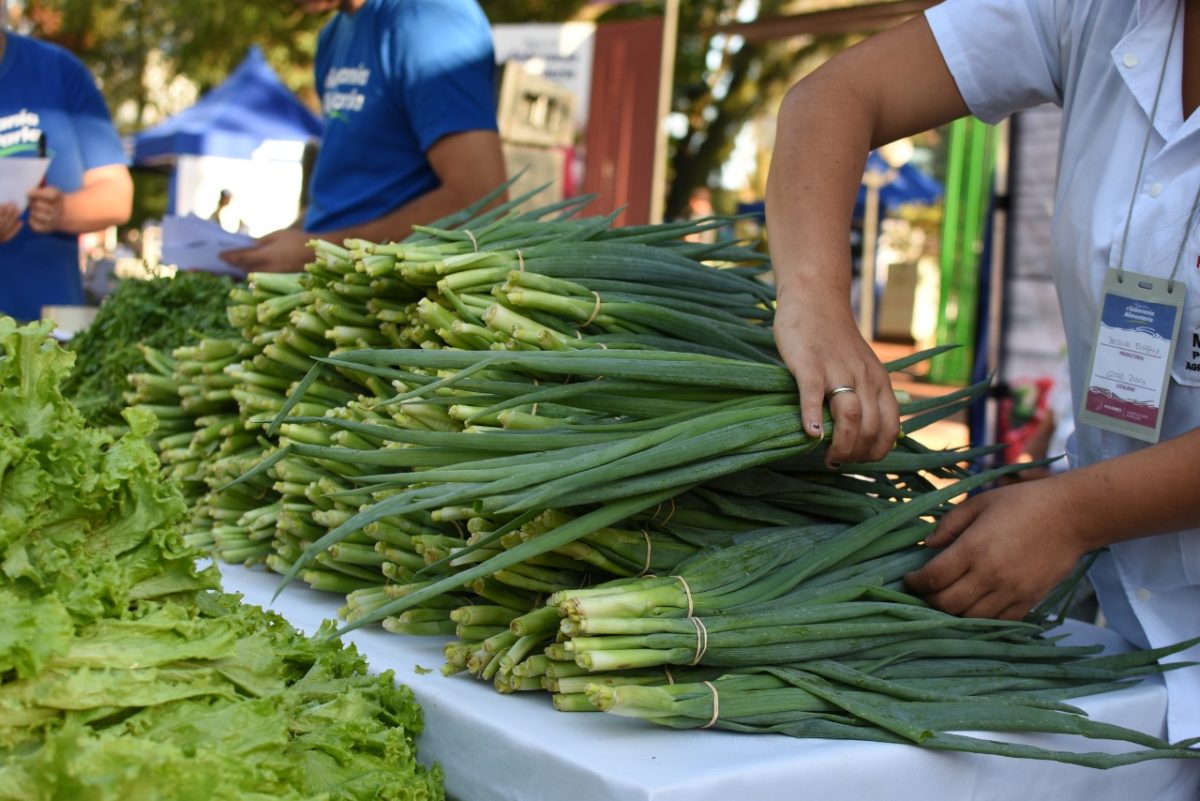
(19, 132)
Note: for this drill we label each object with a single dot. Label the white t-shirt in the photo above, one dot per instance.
(1100, 60)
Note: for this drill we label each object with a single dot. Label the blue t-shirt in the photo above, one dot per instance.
(46, 89)
(395, 77)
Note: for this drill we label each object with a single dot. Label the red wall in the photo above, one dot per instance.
(622, 119)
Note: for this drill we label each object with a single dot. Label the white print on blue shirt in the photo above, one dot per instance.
(19, 131)
(341, 89)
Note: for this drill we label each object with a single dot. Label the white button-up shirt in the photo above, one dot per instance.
(1101, 61)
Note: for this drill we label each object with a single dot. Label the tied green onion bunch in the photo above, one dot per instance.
(598, 417)
(482, 279)
(810, 632)
(532, 339)
(622, 430)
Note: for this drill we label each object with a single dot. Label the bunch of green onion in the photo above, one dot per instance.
(510, 407)
(420, 294)
(925, 702)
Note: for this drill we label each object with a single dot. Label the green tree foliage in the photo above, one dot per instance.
(516, 11)
(721, 83)
(130, 45)
(150, 189)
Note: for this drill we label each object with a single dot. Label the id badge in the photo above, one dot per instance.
(1132, 354)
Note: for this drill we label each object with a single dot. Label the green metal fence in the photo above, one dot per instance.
(970, 163)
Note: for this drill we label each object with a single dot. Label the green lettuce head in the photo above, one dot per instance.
(83, 515)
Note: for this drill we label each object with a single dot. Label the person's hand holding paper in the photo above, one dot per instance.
(277, 252)
(192, 243)
(46, 208)
(17, 177)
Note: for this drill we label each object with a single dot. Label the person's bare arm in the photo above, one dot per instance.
(1009, 547)
(105, 198)
(887, 87)
(469, 165)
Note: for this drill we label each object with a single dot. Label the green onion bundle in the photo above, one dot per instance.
(510, 407)
(808, 631)
(720, 416)
(928, 706)
(439, 289)
(489, 288)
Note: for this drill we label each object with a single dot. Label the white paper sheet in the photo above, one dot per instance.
(193, 243)
(517, 748)
(18, 176)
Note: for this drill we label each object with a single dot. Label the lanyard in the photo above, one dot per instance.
(1137, 328)
(1137, 184)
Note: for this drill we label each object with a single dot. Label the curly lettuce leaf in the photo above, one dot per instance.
(83, 515)
(32, 632)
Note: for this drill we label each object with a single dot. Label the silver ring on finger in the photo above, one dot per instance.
(839, 390)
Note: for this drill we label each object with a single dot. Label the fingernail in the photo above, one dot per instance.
(835, 465)
(814, 427)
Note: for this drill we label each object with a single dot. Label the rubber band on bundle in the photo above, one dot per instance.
(595, 311)
(701, 640)
(649, 551)
(658, 507)
(688, 592)
(716, 705)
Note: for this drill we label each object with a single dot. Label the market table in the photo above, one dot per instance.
(497, 747)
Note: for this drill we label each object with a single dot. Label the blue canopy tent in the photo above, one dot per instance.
(248, 137)
(906, 184)
(883, 189)
(233, 120)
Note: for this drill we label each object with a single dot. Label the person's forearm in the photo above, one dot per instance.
(97, 205)
(1140, 494)
(469, 165)
(893, 85)
(820, 151)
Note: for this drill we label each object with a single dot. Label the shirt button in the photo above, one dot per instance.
(1130, 60)
(1143, 594)
(1155, 189)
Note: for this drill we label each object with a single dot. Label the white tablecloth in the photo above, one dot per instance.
(518, 748)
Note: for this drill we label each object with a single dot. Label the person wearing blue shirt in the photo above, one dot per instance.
(408, 97)
(49, 100)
